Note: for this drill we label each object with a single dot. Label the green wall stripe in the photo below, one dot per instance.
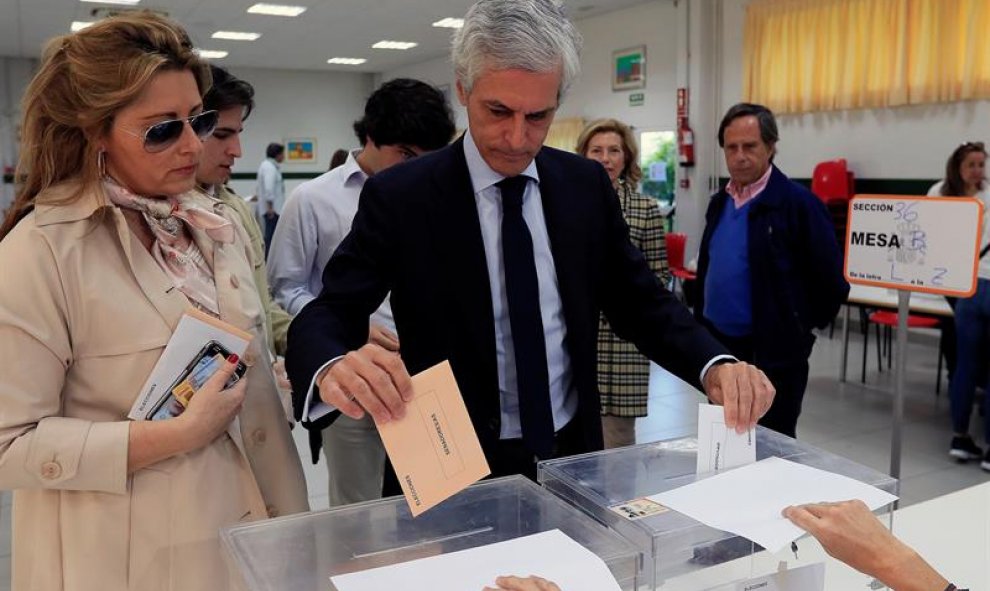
(876, 186)
(250, 176)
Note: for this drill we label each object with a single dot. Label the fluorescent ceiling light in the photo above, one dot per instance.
(347, 61)
(276, 9)
(80, 25)
(212, 54)
(235, 36)
(123, 2)
(394, 45)
(450, 23)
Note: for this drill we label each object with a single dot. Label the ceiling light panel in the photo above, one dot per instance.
(119, 2)
(276, 9)
(394, 45)
(347, 61)
(236, 35)
(212, 54)
(450, 23)
(80, 25)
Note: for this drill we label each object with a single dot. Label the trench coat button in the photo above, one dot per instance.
(234, 282)
(272, 511)
(51, 470)
(259, 437)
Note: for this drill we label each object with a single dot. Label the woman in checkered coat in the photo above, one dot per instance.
(623, 373)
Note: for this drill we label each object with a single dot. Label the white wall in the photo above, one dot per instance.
(296, 103)
(289, 103)
(653, 24)
(903, 142)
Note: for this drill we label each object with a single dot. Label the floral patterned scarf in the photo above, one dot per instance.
(174, 249)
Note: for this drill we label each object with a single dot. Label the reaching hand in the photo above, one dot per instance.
(530, 583)
(851, 533)
(370, 379)
(744, 391)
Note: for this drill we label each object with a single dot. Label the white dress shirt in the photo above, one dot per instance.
(270, 187)
(488, 198)
(314, 221)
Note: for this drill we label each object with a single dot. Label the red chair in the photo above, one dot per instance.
(676, 243)
(832, 181)
(888, 320)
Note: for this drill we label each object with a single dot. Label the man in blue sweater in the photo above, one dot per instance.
(769, 266)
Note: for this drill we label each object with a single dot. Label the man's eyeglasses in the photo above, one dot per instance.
(160, 136)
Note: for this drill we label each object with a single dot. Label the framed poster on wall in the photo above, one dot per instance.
(300, 150)
(629, 68)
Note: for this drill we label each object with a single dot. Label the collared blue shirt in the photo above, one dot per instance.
(488, 198)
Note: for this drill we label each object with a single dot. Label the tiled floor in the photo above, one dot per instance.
(850, 419)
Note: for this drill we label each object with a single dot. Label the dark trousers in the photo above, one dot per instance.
(510, 456)
(789, 380)
(270, 222)
(972, 325)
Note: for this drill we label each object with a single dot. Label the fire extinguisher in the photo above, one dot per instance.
(685, 145)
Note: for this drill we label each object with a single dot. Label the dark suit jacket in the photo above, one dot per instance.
(795, 269)
(417, 235)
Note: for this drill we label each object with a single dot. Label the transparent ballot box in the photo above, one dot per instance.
(302, 552)
(673, 545)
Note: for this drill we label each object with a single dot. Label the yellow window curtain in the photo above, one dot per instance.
(820, 55)
(563, 133)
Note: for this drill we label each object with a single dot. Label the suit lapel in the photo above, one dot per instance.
(457, 232)
(567, 237)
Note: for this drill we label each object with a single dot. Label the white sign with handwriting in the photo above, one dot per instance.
(914, 243)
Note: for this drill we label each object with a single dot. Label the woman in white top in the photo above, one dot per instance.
(965, 176)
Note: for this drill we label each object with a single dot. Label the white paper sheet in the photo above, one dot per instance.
(551, 555)
(721, 448)
(748, 501)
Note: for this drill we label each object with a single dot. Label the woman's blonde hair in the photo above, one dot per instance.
(84, 80)
(631, 171)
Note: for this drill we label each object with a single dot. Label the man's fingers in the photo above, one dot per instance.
(730, 397)
(396, 369)
(332, 394)
(744, 385)
(802, 517)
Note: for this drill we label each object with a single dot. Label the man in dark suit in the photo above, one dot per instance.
(769, 265)
(499, 255)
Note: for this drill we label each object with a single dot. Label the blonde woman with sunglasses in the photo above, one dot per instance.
(106, 247)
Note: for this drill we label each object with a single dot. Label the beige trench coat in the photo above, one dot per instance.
(85, 312)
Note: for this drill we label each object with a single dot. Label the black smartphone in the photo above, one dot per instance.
(203, 365)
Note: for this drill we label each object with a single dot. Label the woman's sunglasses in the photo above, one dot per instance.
(160, 136)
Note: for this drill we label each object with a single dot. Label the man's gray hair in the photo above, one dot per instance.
(531, 35)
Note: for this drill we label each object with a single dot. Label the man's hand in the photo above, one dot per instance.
(383, 337)
(744, 391)
(851, 533)
(370, 379)
(530, 583)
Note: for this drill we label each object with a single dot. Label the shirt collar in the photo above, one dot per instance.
(743, 195)
(482, 175)
(351, 170)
